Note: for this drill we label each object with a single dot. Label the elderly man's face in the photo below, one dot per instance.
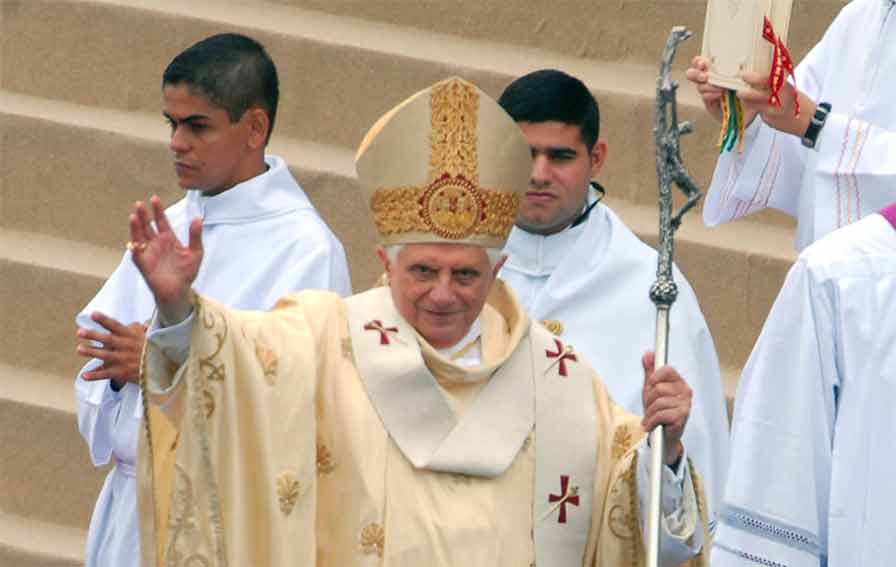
(440, 289)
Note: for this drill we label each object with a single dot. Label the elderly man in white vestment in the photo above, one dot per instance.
(576, 267)
(220, 97)
(427, 422)
(847, 171)
(812, 466)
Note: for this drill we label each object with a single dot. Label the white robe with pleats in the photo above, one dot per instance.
(811, 481)
(262, 239)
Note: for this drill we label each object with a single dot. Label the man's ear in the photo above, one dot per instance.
(259, 125)
(498, 266)
(384, 259)
(598, 157)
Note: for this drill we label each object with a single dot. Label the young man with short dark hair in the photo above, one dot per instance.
(576, 266)
(263, 238)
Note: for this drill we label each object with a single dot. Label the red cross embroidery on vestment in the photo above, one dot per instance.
(564, 353)
(377, 325)
(568, 495)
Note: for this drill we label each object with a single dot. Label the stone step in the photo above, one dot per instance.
(45, 282)
(338, 74)
(326, 173)
(83, 192)
(607, 30)
(31, 543)
(736, 271)
(88, 194)
(46, 471)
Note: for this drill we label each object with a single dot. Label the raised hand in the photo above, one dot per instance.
(168, 267)
(119, 350)
(667, 402)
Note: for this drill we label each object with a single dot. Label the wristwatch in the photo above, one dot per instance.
(810, 138)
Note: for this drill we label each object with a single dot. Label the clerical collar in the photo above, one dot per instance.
(470, 344)
(599, 193)
(274, 192)
(539, 255)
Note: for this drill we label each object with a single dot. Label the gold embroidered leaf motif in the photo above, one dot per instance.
(208, 401)
(554, 326)
(325, 464)
(347, 348)
(288, 490)
(267, 360)
(622, 523)
(622, 442)
(196, 561)
(373, 539)
(214, 371)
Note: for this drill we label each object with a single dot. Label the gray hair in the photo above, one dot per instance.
(494, 254)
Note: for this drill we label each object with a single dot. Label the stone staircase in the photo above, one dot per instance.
(82, 138)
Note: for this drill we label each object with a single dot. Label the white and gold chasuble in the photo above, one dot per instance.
(327, 433)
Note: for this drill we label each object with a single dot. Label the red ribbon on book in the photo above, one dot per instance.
(782, 66)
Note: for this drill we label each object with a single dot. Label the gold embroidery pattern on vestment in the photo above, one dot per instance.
(347, 351)
(208, 401)
(199, 380)
(325, 464)
(288, 490)
(622, 442)
(267, 360)
(623, 519)
(373, 539)
(454, 106)
(453, 208)
(215, 372)
(182, 525)
(702, 559)
(554, 326)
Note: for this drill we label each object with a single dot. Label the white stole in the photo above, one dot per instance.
(527, 389)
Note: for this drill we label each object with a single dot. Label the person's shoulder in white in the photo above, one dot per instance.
(851, 245)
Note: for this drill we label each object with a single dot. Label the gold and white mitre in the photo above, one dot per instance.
(445, 165)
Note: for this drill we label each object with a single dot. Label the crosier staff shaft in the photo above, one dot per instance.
(670, 170)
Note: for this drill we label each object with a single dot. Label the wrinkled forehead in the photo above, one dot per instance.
(443, 254)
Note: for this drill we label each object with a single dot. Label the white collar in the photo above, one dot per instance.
(274, 192)
(539, 255)
(473, 357)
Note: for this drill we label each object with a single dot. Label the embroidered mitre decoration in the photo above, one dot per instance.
(445, 165)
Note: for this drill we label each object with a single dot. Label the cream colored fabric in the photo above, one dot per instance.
(282, 460)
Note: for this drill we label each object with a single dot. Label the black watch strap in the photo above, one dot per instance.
(810, 138)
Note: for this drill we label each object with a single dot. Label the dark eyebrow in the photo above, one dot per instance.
(189, 119)
(561, 152)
